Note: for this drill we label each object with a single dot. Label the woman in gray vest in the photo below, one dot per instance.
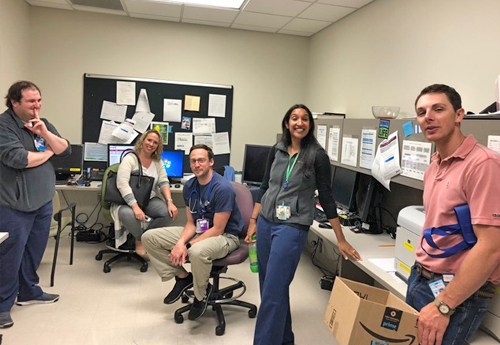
(283, 213)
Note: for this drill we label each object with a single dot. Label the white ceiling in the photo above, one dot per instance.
(292, 17)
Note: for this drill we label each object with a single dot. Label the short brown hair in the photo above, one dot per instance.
(15, 92)
(204, 147)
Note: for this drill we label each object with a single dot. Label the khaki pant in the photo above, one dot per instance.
(159, 242)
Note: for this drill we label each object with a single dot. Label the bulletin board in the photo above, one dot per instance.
(99, 88)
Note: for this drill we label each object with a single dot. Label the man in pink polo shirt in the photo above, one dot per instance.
(453, 293)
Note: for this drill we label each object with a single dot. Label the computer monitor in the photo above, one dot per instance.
(65, 167)
(254, 163)
(344, 185)
(115, 152)
(173, 162)
(368, 199)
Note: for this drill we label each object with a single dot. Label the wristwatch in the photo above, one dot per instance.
(188, 245)
(443, 307)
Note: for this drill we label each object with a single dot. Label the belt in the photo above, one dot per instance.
(485, 291)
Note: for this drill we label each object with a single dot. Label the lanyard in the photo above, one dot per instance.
(289, 169)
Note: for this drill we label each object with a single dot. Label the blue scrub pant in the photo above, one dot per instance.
(21, 253)
(463, 323)
(279, 247)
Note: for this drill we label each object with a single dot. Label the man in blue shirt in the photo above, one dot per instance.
(27, 186)
(212, 231)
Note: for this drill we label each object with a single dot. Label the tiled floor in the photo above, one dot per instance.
(125, 307)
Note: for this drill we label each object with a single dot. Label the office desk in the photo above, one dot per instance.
(369, 247)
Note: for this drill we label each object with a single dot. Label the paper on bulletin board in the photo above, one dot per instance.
(494, 142)
(221, 143)
(415, 158)
(349, 151)
(204, 139)
(161, 127)
(142, 121)
(125, 92)
(333, 143)
(172, 110)
(183, 141)
(192, 103)
(112, 111)
(368, 147)
(143, 102)
(203, 126)
(217, 105)
(124, 131)
(105, 135)
(321, 135)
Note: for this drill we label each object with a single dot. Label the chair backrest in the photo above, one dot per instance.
(245, 204)
(229, 172)
(106, 205)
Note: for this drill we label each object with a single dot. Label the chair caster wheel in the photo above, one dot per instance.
(106, 268)
(144, 268)
(178, 318)
(219, 330)
(98, 257)
(185, 299)
(252, 313)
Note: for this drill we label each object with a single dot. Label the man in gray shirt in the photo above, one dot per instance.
(27, 186)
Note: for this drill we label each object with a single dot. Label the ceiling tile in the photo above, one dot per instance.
(307, 25)
(209, 14)
(252, 28)
(155, 17)
(289, 8)
(205, 22)
(261, 20)
(51, 3)
(295, 33)
(325, 12)
(153, 8)
(346, 3)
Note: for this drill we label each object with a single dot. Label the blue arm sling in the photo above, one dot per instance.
(463, 228)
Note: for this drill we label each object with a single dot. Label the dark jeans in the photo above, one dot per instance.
(463, 323)
(279, 247)
(21, 253)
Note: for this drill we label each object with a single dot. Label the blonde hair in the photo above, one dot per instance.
(156, 156)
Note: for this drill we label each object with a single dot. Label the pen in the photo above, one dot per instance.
(386, 245)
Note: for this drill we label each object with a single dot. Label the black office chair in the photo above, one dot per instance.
(127, 250)
(224, 296)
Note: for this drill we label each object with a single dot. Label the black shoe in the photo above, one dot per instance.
(198, 308)
(180, 286)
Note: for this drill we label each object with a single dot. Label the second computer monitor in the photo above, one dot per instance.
(344, 185)
(115, 152)
(173, 162)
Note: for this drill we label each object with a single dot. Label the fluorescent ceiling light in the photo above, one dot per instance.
(213, 3)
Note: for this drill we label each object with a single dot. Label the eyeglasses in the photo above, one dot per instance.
(199, 160)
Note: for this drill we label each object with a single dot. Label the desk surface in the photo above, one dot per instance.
(95, 186)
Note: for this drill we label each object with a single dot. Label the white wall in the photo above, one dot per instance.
(388, 51)
(267, 71)
(15, 40)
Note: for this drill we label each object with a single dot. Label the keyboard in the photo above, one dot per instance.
(61, 182)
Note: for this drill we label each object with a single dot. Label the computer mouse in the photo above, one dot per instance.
(87, 184)
(325, 225)
(177, 185)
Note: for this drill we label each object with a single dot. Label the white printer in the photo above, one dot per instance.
(410, 225)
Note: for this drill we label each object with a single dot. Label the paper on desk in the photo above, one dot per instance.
(388, 265)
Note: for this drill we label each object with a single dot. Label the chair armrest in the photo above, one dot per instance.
(71, 207)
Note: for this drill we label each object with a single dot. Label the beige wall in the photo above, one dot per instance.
(266, 70)
(385, 53)
(15, 41)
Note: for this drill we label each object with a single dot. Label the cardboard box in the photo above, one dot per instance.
(359, 314)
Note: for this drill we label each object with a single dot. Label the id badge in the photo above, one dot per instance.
(283, 212)
(40, 144)
(437, 286)
(201, 225)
